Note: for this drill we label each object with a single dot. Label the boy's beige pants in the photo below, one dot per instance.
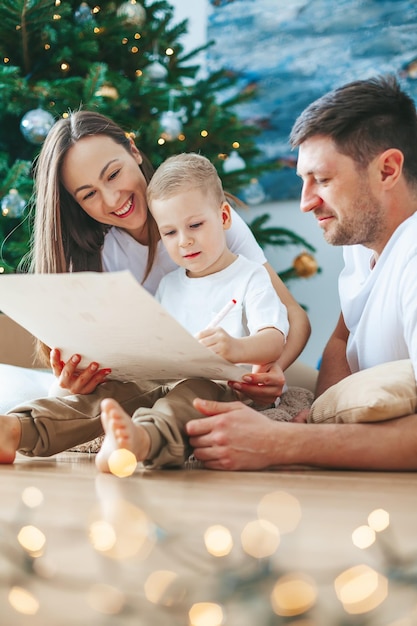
(52, 425)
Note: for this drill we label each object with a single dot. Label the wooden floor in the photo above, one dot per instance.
(195, 547)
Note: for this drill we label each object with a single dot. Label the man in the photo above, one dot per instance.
(358, 163)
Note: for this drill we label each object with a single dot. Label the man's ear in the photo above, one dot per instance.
(226, 213)
(135, 151)
(390, 164)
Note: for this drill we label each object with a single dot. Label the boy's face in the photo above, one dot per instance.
(192, 230)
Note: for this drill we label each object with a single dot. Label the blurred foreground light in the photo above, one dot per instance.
(32, 539)
(378, 520)
(260, 538)
(102, 536)
(363, 537)
(161, 587)
(23, 601)
(32, 497)
(106, 599)
(361, 589)
(122, 463)
(282, 509)
(123, 532)
(218, 540)
(293, 594)
(206, 614)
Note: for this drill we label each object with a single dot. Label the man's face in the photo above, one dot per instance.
(340, 195)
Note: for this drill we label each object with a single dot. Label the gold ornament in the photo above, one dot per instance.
(305, 265)
(108, 91)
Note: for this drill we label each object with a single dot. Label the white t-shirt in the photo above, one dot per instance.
(121, 252)
(193, 302)
(379, 305)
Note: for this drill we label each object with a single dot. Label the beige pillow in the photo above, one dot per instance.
(379, 393)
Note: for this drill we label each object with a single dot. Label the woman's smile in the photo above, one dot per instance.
(127, 209)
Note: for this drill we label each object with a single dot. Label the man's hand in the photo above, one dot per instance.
(232, 436)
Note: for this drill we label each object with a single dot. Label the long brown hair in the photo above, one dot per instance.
(65, 238)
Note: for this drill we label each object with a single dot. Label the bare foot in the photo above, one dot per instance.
(10, 432)
(120, 432)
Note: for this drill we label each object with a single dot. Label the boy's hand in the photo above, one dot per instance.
(220, 342)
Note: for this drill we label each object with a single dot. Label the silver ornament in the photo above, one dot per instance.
(254, 193)
(83, 14)
(35, 125)
(156, 72)
(171, 125)
(13, 205)
(234, 162)
(132, 12)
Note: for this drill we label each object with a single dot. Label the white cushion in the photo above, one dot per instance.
(20, 384)
(378, 393)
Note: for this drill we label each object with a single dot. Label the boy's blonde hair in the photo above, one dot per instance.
(185, 172)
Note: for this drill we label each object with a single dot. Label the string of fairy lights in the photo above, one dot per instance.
(161, 573)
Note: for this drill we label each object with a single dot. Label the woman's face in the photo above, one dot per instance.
(106, 181)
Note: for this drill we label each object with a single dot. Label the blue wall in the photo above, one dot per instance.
(293, 51)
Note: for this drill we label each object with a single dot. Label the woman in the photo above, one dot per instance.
(91, 215)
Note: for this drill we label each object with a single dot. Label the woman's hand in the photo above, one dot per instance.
(80, 381)
(264, 385)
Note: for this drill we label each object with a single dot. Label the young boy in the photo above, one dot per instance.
(187, 201)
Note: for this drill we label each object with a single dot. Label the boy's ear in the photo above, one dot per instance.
(135, 151)
(226, 213)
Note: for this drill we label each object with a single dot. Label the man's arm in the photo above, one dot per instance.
(334, 365)
(235, 437)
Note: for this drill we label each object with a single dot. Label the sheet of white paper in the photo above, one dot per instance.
(110, 318)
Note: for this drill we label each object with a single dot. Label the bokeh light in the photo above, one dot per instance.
(361, 589)
(32, 539)
(218, 540)
(161, 587)
(122, 463)
(106, 599)
(260, 538)
(32, 497)
(23, 601)
(363, 537)
(206, 614)
(282, 509)
(378, 520)
(293, 594)
(123, 532)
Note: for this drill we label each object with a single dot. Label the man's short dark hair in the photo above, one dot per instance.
(364, 118)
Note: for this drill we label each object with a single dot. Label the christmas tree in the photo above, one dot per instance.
(125, 60)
